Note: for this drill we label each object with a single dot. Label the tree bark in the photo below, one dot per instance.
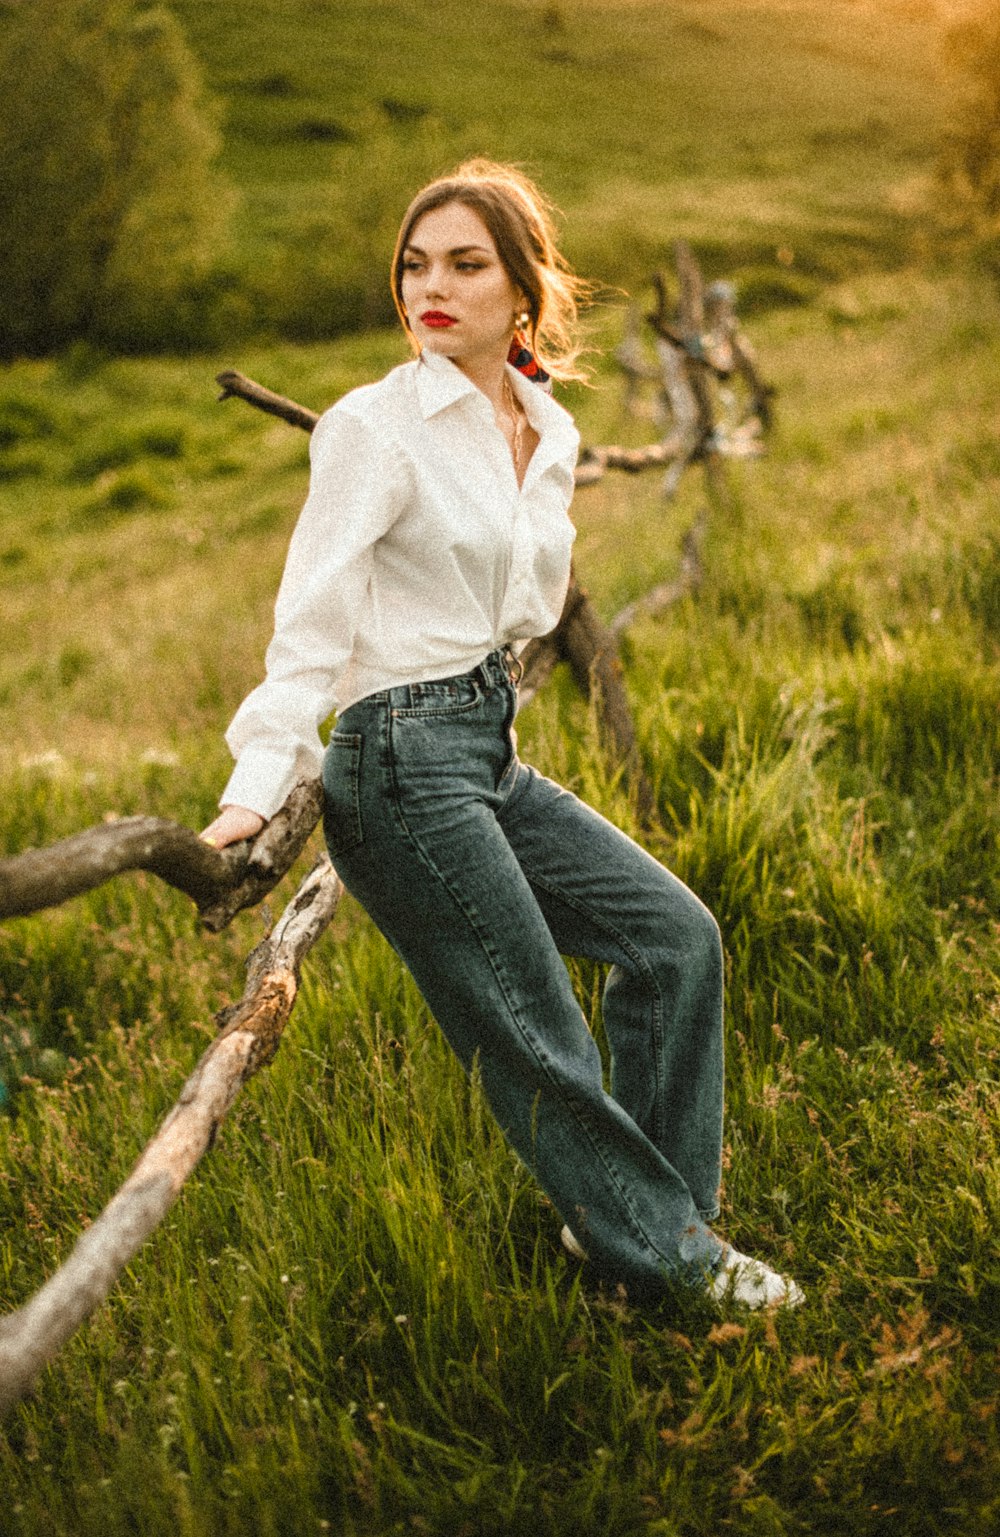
(220, 882)
(721, 317)
(250, 1032)
(689, 336)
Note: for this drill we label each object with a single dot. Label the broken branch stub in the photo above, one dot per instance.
(238, 386)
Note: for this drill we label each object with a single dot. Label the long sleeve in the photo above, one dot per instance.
(357, 490)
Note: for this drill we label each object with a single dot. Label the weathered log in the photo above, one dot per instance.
(688, 335)
(272, 853)
(699, 345)
(250, 1032)
(539, 659)
(592, 653)
(688, 428)
(220, 882)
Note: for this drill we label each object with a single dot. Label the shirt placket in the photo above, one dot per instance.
(512, 510)
(521, 561)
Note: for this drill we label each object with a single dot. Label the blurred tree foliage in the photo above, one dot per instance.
(972, 154)
(111, 212)
(333, 275)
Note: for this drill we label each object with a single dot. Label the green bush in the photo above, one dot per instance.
(130, 490)
(115, 447)
(110, 211)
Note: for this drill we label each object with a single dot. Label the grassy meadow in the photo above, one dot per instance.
(358, 1318)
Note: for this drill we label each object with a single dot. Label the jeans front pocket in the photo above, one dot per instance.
(443, 696)
(341, 785)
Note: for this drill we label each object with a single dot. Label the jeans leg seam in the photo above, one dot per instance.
(640, 962)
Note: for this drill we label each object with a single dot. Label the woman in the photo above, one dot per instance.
(433, 545)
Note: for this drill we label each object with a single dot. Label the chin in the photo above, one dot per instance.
(441, 342)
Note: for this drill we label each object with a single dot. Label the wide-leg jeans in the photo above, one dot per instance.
(482, 874)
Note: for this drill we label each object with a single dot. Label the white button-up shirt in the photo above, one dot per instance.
(415, 555)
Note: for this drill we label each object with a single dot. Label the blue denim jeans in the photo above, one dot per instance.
(482, 874)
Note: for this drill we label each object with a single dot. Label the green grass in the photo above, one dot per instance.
(358, 1317)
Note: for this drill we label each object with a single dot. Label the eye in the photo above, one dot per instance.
(411, 264)
(470, 266)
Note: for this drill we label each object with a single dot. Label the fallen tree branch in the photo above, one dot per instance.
(540, 658)
(696, 351)
(720, 316)
(250, 1032)
(582, 639)
(220, 882)
(237, 385)
(687, 580)
(593, 462)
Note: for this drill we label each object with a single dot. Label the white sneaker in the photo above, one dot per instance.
(753, 1283)
(571, 1245)
(745, 1280)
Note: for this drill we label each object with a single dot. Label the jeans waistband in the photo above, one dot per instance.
(501, 666)
(499, 669)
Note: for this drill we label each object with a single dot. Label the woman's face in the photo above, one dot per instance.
(458, 297)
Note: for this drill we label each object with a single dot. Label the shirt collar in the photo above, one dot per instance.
(549, 419)
(440, 383)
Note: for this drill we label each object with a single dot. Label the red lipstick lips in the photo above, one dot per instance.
(436, 318)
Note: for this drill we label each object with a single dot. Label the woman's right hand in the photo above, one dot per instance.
(231, 825)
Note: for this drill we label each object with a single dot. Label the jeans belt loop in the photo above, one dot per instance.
(514, 665)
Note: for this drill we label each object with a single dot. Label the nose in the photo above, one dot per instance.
(435, 281)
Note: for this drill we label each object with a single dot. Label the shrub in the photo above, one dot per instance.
(110, 211)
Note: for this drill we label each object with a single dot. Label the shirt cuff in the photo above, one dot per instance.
(261, 781)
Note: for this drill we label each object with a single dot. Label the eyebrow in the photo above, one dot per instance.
(459, 250)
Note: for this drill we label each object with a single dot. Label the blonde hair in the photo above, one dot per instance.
(519, 218)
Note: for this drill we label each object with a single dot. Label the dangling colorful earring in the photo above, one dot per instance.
(524, 360)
